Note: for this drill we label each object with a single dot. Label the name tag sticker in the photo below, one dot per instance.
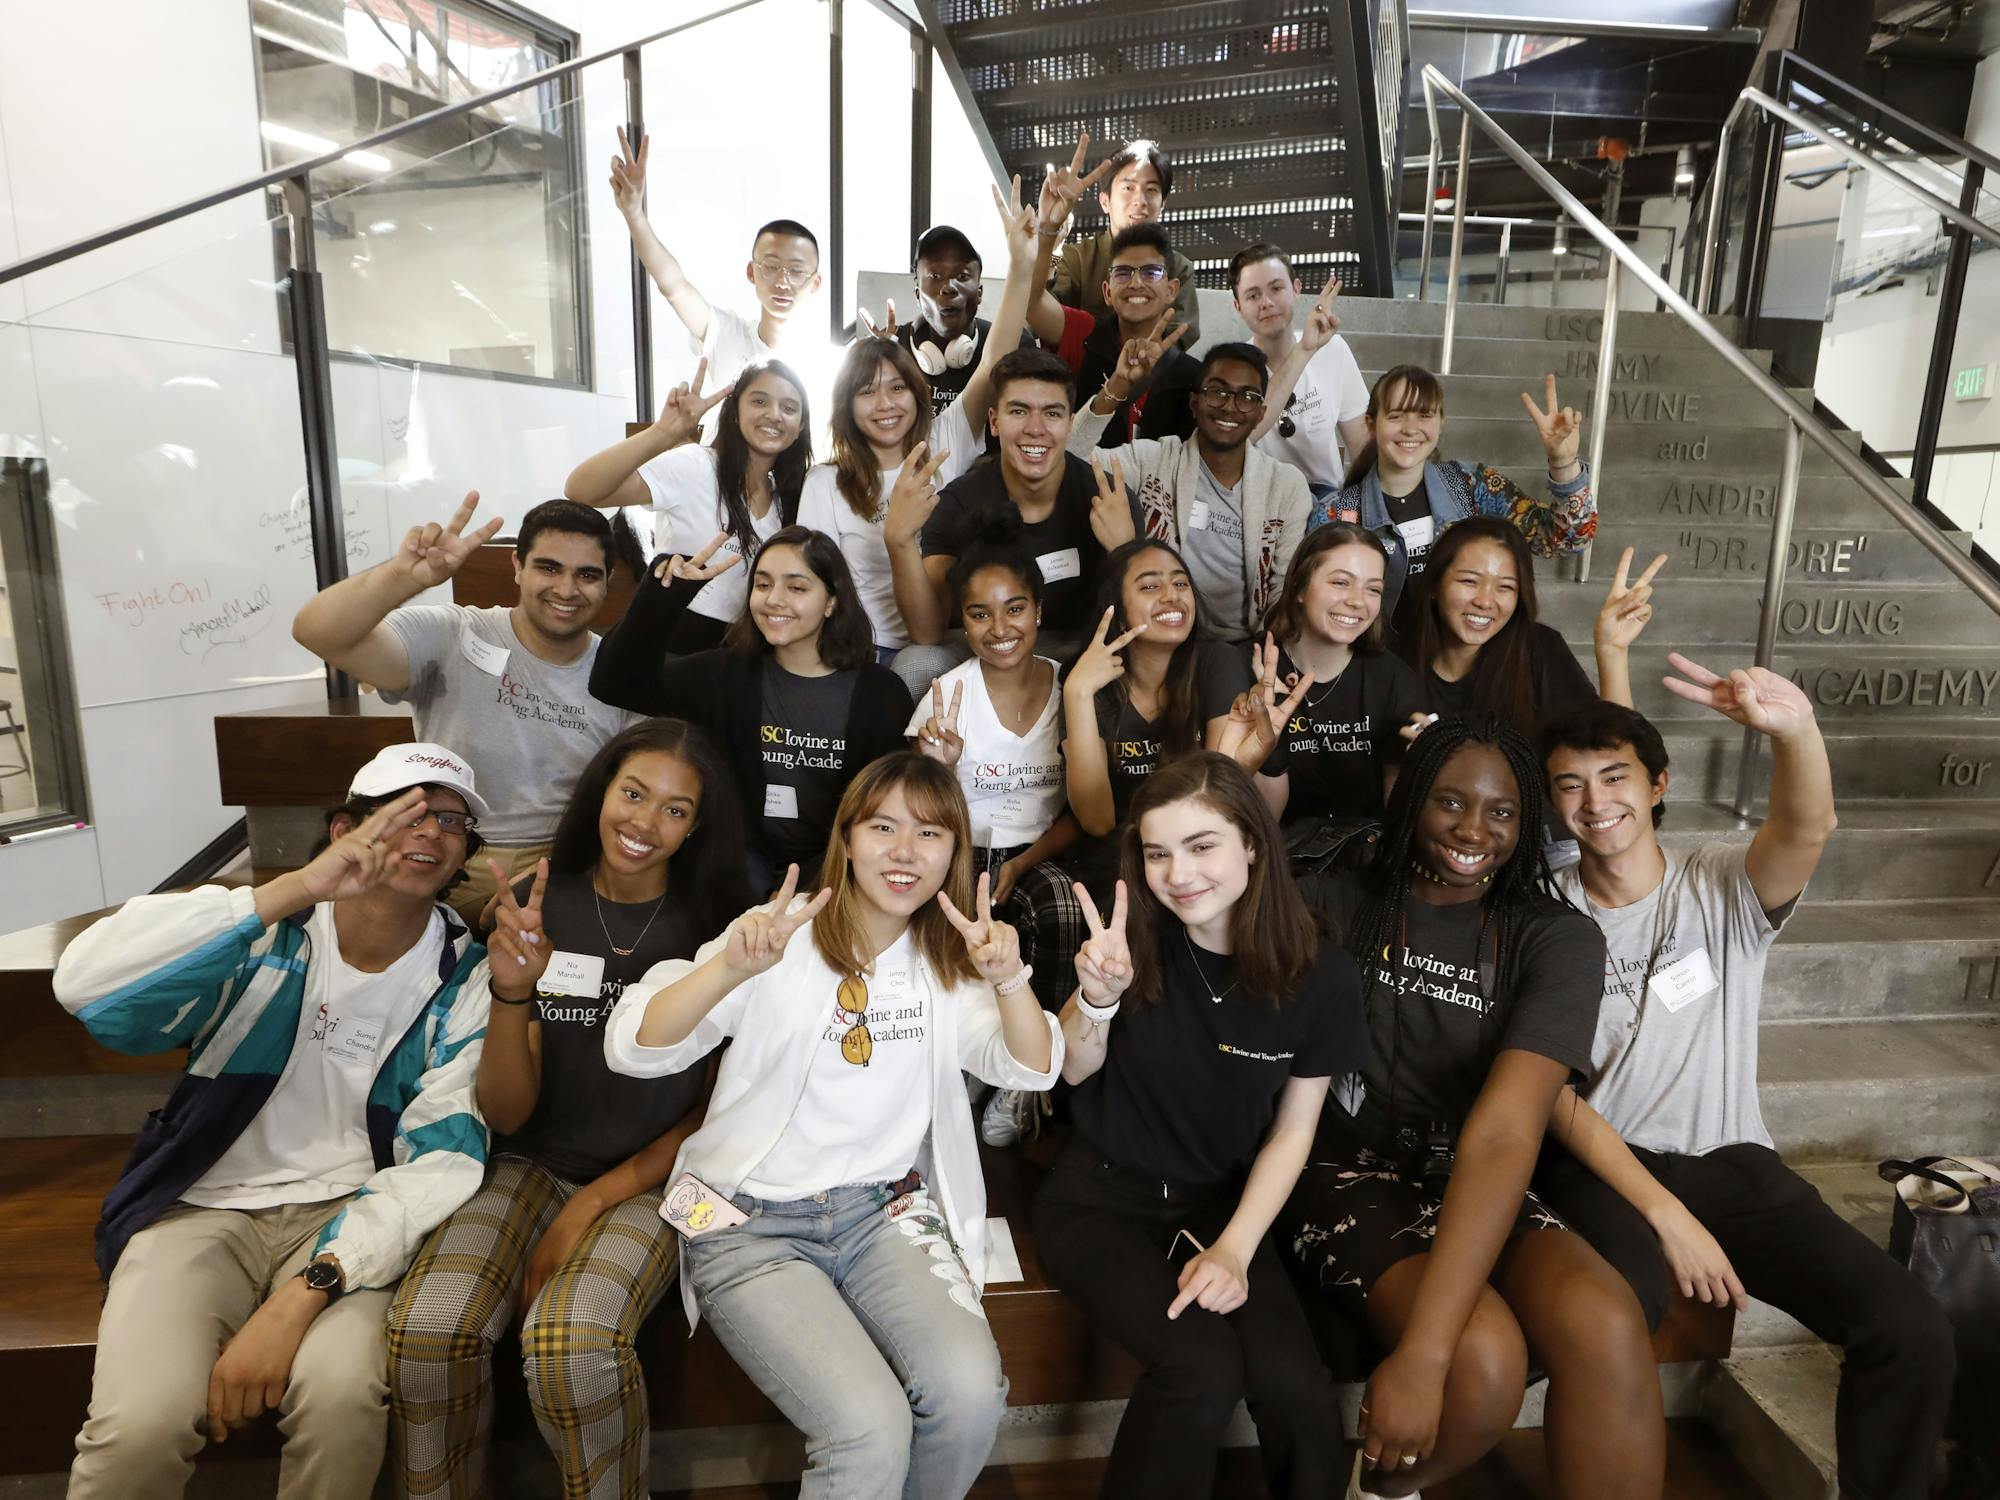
(482, 654)
(692, 1208)
(780, 801)
(1056, 566)
(1198, 516)
(580, 974)
(1417, 535)
(354, 1041)
(1684, 981)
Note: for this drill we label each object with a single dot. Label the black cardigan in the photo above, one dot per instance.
(723, 692)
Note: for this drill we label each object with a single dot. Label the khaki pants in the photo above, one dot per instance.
(184, 1285)
(469, 897)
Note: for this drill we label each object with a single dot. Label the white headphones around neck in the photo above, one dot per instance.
(956, 355)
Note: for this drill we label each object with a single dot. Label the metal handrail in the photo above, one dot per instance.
(1791, 62)
(55, 257)
(1801, 423)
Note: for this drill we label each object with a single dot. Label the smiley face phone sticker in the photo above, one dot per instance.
(693, 1208)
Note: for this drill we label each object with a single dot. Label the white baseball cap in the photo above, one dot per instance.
(401, 767)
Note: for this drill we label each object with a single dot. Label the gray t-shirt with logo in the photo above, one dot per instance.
(1213, 544)
(1674, 1065)
(527, 727)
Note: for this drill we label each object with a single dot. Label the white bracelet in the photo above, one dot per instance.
(1015, 981)
(1097, 1015)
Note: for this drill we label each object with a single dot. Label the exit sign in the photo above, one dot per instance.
(1973, 383)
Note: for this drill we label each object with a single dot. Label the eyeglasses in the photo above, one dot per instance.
(858, 1045)
(1286, 426)
(1217, 394)
(447, 822)
(1153, 273)
(795, 273)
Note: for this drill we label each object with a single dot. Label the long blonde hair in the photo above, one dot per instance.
(854, 472)
(933, 793)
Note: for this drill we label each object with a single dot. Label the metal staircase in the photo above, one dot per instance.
(1268, 110)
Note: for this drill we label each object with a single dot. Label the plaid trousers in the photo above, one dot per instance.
(583, 1375)
(1048, 918)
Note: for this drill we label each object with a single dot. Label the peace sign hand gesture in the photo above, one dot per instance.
(940, 739)
(1101, 665)
(1561, 428)
(993, 946)
(1322, 322)
(354, 862)
(628, 174)
(680, 418)
(699, 567)
(757, 939)
(1017, 223)
(1137, 359)
(1110, 511)
(1104, 962)
(888, 328)
(914, 495)
(431, 553)
(1627, 609)
(1754, 697)
(1258, 717)
(518, 949)
(1062, 186)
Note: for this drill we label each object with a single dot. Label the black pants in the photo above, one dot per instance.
(1792, 1251)
(1103, 1235)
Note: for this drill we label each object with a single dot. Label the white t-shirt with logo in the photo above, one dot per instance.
(824, 508)
(309, 1142)
(1330, 390)
(733, 343)
(687, 514)
(854, 1122)
(1013, 783)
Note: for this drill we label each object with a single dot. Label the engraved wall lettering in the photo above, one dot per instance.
(1956, 770)
(1714, 497)
(1645, 405)
(1898, 687)
(1992, 874)
(1690, 452)
(1982, 982)
(1582, 363)
(1841, 614)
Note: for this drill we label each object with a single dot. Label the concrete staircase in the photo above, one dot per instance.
(1881, 1021)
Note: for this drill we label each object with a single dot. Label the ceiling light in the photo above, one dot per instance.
(382, 226)
(1684, 166)
(1562, 239)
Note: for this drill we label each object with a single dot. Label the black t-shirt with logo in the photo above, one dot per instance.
(1189, 1086)
(1061, 542)
(1133, 745)
(1560, 682)
(802, 738)
(1344, 736)
(1438, 1014)
(587, 1119)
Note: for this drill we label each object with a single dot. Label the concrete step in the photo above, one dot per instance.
(1636, 330)
(1844, 681)
(1523, 358)
(1885, 960)
(1635, 447)
(1864, 1090)
(1946, 759)
(1910, 851)
(1692, 611)
(1706, 497)
(1774, 1410)
(1701, 403)
(1884, 552)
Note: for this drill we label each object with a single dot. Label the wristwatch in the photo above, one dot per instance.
(325, 1276)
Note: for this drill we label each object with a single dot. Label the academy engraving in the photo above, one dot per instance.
(1898, 687)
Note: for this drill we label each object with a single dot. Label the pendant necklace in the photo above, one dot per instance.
(1213, 997)
(598, 901)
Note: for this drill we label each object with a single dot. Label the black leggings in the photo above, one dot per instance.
(1104, 1235)
(1790, 1250)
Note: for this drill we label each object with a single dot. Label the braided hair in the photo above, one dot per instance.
(1520, 886)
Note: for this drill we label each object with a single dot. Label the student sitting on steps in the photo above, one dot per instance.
(843, 1262)
(646, 866)
(324, 1125)
(1673, 1072)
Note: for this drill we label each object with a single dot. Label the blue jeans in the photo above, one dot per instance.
(853, 1312)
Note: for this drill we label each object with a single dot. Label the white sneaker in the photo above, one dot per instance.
(1356, 1492)
(1011, 1114)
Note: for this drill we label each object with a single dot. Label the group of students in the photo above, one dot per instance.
(928, 762)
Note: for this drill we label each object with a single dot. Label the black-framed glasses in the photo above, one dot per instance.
(1217, 394)
(447, 822)
(1152, 274)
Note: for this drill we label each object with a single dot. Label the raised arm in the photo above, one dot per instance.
(632, 669)
(344, 624)
(1567, 520)
(1620, 620)
(628, 191)
(755, 942)
(1060, 191)
(1004, 336)
(517, 955)
(1086, 758)
(1137, 359)
(1103, 970)
(611, 478)
(1786, 850)
(919, 586)
(1322, 323)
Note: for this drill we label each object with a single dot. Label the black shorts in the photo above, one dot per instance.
(1349, 1221)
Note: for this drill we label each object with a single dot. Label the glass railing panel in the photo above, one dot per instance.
(1922, 160)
